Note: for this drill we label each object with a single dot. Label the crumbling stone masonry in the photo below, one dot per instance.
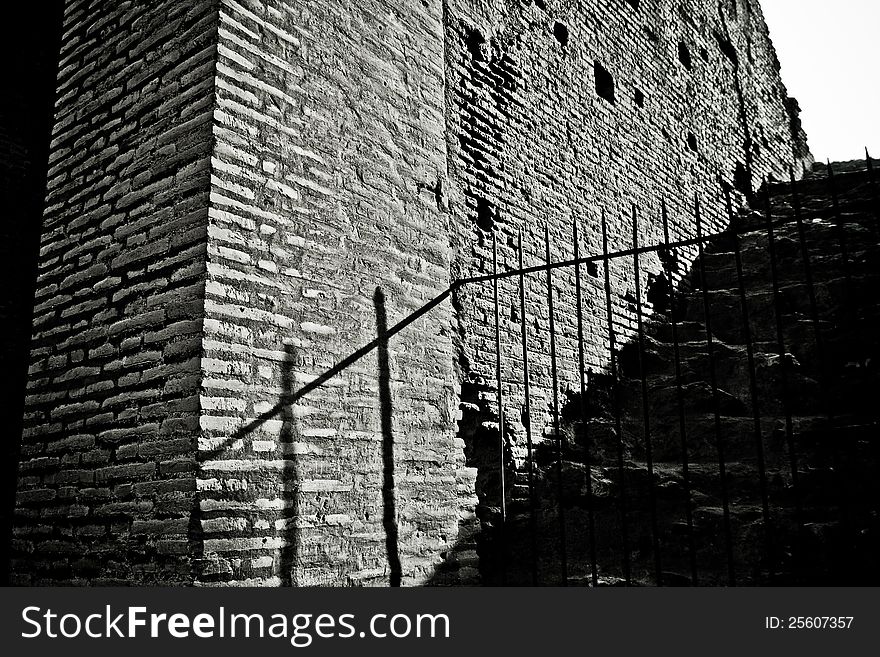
(243, 192)
(558, 111)
(797, 503)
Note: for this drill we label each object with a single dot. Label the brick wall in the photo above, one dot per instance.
(243, 193)
(107, 475)
(329, 130)
(561, 110)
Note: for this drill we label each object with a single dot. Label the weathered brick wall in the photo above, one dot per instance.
(329, 159)
(111, 420)
(242, 193)
(537, 137)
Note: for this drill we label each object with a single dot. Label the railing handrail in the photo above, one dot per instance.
(287, 398)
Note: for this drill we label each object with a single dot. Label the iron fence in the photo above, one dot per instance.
(782, 559)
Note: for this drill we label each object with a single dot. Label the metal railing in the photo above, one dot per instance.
(635, 252)
(771, 226)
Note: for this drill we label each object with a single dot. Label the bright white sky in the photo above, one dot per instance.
(830, 56)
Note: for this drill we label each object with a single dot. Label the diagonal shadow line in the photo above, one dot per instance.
(381, 341)
(289, 398)
(195, 531)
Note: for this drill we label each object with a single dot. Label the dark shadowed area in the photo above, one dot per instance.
(29, 43)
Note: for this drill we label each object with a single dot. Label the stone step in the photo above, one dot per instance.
(843, 372)
(857, 214)
(705, 488)
(661, 331)
(816, 182)
(825, 262)
(657, 358)
(738, 437)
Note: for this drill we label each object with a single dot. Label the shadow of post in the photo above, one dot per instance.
(288, 560)
(389, 512)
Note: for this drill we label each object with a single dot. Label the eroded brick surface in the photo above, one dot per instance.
(230, 184)
(107, 474)
(329, 127)
(559, 112)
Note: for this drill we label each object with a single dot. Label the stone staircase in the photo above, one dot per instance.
(814, 516)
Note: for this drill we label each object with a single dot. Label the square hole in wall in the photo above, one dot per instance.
(560, 31)
(727, 48)
(604, 83)
(684, 55)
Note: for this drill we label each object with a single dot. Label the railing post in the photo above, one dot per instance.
(719, 438)
(682, 424)
(624, 525)
(783, 364)
(528, 414)
(556, 428)
(646, 411)
(841, 228)
(875, 227)
(753, 392)
(500, 401)
(591, 516)
(808, 278)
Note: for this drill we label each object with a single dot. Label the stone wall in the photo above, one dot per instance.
(240, 196)
(242, 193)
(562, 110)
(107, 475)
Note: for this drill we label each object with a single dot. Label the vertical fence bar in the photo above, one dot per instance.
(753, 391)
(527, 420)
(822, 361)
(850, 304)
(713, 379)
(646, 411)
(875, 232)
(682, 424)
(624, 525)
(826, 377)
(588, 461)
(808, 277)
(824, 366)
(875, 227)
(783, 364)
(500, 398)
(563, 556)
(841, 231)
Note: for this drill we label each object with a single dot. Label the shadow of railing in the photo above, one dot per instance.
(195, 532)
(716, 369)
